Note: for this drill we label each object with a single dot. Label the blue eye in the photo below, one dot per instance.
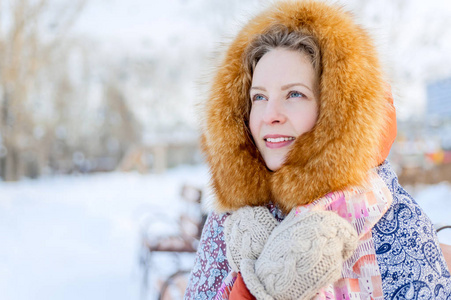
(258, 97)
(295, 94)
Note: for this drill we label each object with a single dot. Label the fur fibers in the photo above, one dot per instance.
(337, 152)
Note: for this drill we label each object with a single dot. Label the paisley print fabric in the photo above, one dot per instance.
(210, 266)
(407, 249)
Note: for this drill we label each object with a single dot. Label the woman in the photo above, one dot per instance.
(297, 129)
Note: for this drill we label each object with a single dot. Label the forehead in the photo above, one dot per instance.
(281, 65)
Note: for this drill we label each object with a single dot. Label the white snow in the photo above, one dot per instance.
(77, 237)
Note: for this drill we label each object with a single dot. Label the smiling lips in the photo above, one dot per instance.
(278, 141)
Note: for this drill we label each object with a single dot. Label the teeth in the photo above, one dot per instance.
(278, 140)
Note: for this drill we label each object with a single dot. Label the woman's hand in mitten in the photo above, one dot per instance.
(302, 255)
(246, 231)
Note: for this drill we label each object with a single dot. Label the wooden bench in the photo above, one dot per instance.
(446, 249)
(190, 225)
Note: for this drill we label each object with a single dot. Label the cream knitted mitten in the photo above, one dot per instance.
(302, 255)
(245, 232)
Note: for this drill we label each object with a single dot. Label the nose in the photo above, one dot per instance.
(274, 113)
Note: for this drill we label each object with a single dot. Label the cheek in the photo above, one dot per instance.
(253, 124)
(306, 119)
(312, 120)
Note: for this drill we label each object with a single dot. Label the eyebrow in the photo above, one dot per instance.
(284, 87)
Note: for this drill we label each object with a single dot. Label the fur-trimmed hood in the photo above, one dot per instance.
(340, 149)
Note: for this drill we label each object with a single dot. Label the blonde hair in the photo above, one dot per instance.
(278, 36)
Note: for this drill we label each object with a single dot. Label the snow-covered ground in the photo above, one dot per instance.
(77, 237)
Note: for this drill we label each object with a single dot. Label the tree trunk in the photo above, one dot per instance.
(11, 165)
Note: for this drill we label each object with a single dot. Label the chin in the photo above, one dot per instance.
(273, 166)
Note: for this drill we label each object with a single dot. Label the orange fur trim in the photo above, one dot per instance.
(336, 153)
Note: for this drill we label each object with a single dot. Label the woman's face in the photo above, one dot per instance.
(284, 103)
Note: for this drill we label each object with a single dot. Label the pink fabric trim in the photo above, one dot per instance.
(226, 287)
(362, 207)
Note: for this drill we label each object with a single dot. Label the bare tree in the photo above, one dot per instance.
(31, 35)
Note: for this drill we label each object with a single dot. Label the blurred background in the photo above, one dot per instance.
(99, 132)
